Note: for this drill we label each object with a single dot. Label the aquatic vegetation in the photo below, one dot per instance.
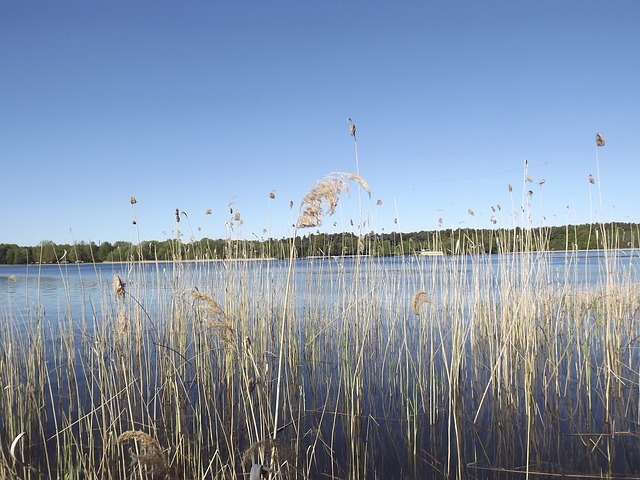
(518, 363)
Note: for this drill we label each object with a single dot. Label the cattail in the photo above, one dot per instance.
(379, 202)
(118, 286)
(133, 200)
(530, 193)
(471, 212)
(236, 217)
(440, 222)
(352, 130)
(591, 180)
(208, 212)
(151, 456)
(599, 140)
(177, 215)
(419, 299)
(322, 198)
(510, 188)
(272, 194)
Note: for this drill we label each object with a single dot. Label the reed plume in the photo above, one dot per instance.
(216, 318)
(419, 299)
(322, 199)
(118, 287)
(151, 456)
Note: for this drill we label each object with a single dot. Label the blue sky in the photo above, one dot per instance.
(202, 105)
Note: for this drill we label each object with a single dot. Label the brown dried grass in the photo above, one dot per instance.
(322, 199)
(215, 317)
(118, 287)
(151, 456)
(419, 299)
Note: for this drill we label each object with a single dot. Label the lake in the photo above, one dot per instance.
(514, 365)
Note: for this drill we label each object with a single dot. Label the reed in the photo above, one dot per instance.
(463, 365)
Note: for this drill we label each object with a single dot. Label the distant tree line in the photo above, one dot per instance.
(456, 241)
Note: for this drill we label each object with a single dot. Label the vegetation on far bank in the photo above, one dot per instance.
(571, 237)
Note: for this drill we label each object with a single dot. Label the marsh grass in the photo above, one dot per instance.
(460, 366)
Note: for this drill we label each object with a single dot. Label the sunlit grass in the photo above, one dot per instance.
(467, 365)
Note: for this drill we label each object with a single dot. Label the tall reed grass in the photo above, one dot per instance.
(458, 366)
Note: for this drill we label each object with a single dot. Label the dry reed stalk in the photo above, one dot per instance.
(151, 455)
(419, 299)
(322, 198)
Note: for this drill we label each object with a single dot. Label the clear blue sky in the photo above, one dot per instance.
(194, 105)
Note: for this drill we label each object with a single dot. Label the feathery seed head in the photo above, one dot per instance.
(322, 198)
(419, 299)
(151, 456)
(118, 286)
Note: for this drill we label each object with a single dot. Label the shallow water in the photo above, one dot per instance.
(378, 390)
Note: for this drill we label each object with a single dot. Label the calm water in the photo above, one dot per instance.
(59, 290)
(404, 416)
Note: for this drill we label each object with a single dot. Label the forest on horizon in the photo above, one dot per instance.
(455, 241)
